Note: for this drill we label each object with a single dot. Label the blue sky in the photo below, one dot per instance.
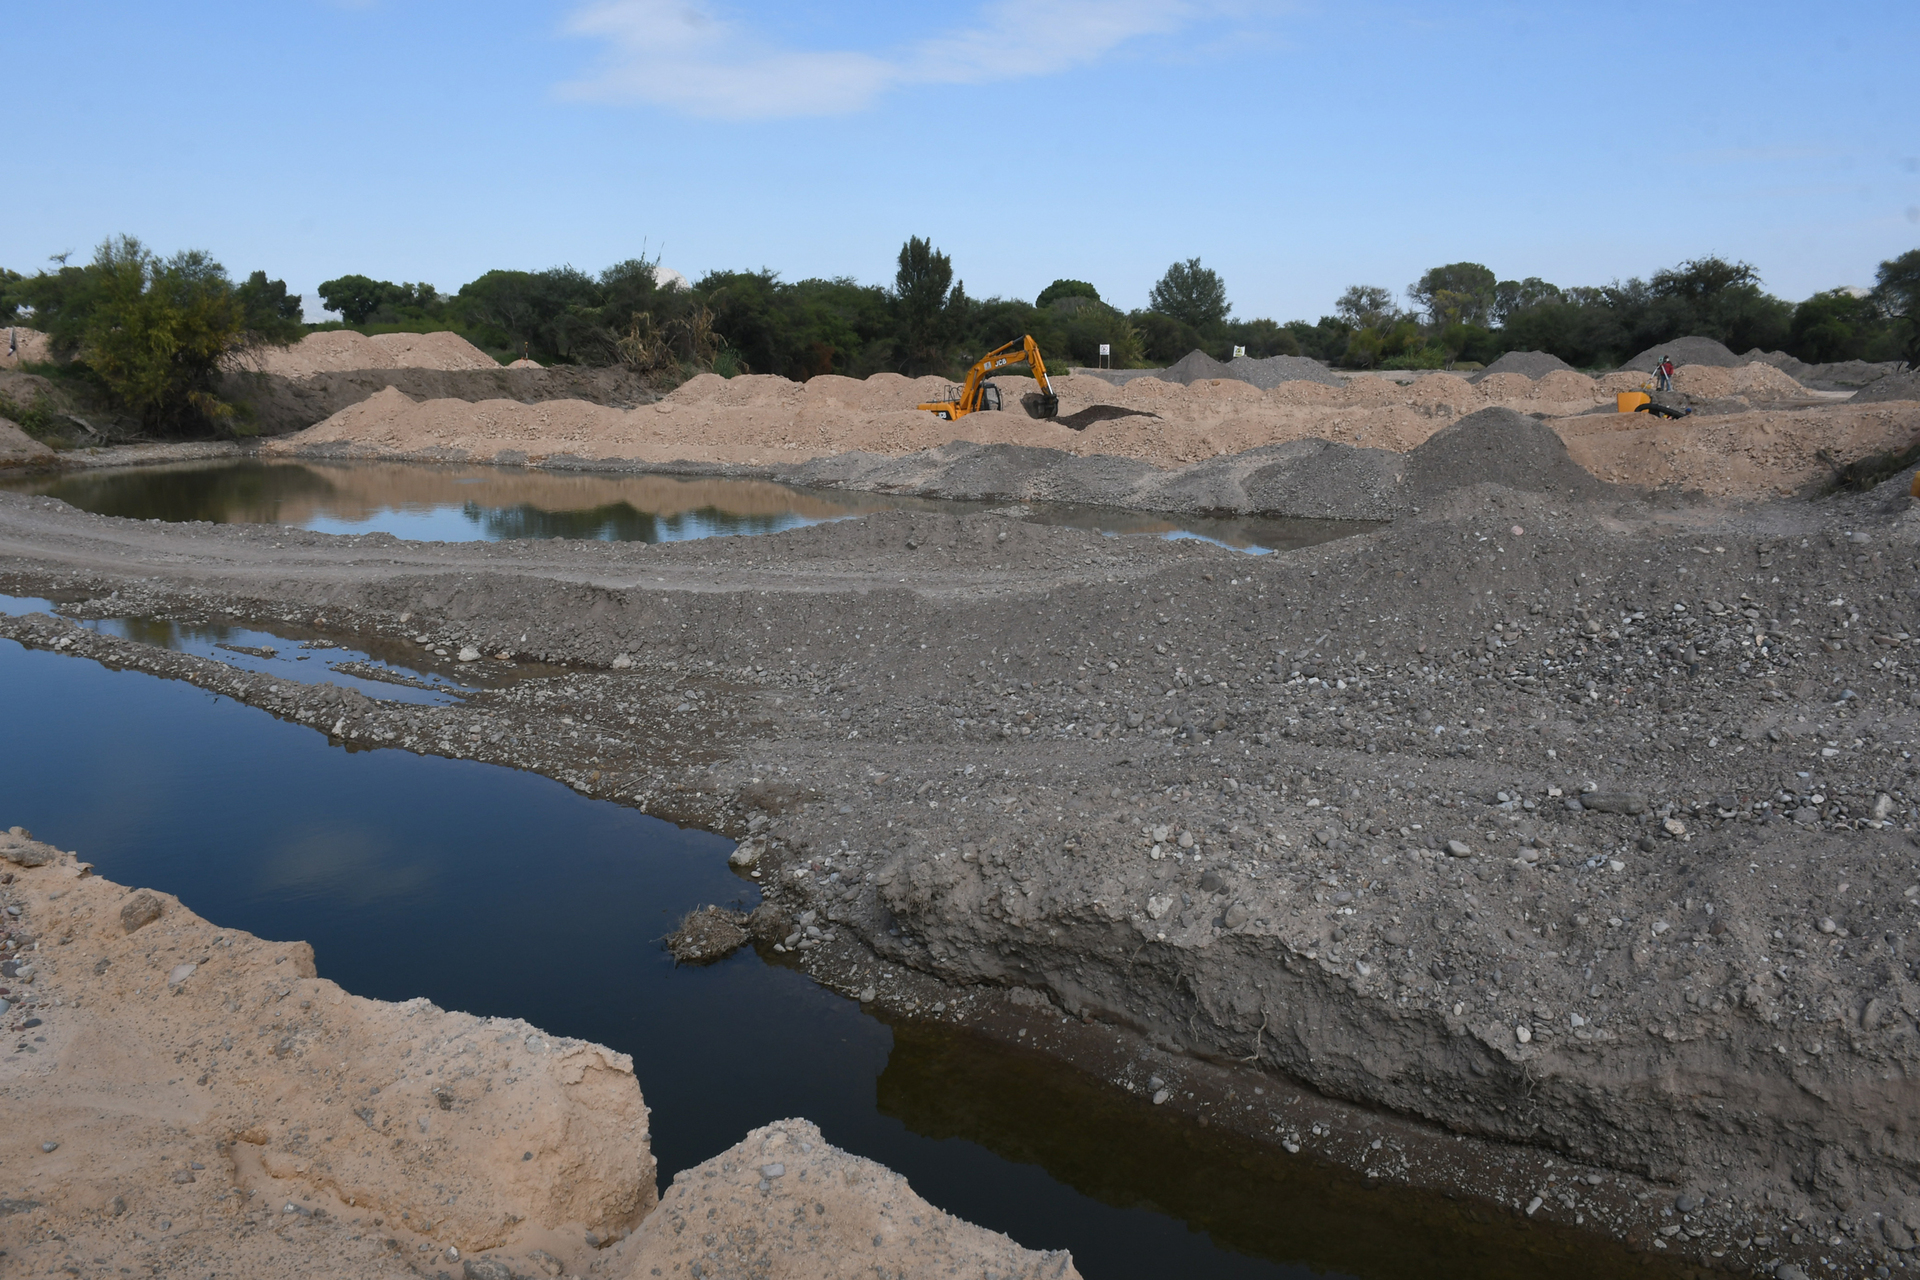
(1295, 147)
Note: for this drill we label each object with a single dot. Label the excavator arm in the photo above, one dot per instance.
(1023, 350)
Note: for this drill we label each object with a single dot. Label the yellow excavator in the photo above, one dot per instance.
(977, 393)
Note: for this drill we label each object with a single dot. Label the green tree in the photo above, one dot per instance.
(923, 296)
(268, 312)
(1194, 295)
(362, 300)
(1513, 296)
(155, 331)
(1835, 325)
(1367, 306)
(9, 295)
(1459, 293)
(1065, 289)
(1897, 291)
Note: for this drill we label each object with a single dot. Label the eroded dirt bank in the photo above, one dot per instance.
(181, 1099)
(960, 744)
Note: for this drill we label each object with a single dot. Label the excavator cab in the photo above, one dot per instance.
(977, 393)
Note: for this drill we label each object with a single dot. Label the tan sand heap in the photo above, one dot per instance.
(336, 350)
(773, 421)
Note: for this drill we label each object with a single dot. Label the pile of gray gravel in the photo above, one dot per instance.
(1497, 446)
(1535, 364)
(1197, 366)
(1894, 386)
(1686, 351)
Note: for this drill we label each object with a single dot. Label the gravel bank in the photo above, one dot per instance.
(962, 742)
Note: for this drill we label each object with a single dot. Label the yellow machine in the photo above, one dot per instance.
(977, 393)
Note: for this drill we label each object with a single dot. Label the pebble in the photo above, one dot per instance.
(49, 1147)
(1523, 1034)
(469, 654)
(1458, 849)
(1160, 1096)
(773, 1170)
(866, 995)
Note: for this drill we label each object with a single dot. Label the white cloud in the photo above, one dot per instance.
(683, 54)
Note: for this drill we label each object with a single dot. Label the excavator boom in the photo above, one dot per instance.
(1023, 350)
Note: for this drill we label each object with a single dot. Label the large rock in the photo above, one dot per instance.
(785, 1205)
(199, 1076)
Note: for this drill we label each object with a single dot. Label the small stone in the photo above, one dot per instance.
(1156, 1083)
(1458, 849)
(1235, 916)
(483, 1268)
(1160, 1096)
(141, 910)
(773, 1170)
(469, 654)
(1157, 908)
(1523, 1034)
(1686, 1203)
(866, 995)
(622, 662)
(1186, 840)
(180, 973)
(745, 856)
(1827, 925)
(1627, 802)
(1673, 826)
(49, 1147)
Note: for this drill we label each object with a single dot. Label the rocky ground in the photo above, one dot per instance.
(1574, 821)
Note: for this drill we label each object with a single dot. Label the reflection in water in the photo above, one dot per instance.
(463, 504)
(304, 661)
(1252, 1200)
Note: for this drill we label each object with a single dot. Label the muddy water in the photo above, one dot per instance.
(505, 893)
(465, 504)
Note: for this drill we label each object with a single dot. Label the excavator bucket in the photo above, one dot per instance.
(1046, 405)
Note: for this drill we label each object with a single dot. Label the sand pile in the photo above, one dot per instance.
(786, 1205)
(1685, 351)
(18, 449)
(338, 350)
(1534, 364)
(769, 421)
(20, 345)
(1755, 381)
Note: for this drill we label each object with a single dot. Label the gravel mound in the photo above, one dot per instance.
(1535, 364)
(1895, 386)
(1685, 351)
(1840, 375)
(1497, 446)
(1270, 372)
(1197, 366)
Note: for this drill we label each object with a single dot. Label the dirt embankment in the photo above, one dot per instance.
(867, 434)
(182, 1099)
(1565, 821)
(278, 404)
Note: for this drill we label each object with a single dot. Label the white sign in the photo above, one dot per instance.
(1106, 348)
(1238, 352)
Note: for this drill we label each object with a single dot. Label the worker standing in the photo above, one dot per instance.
(1665, 370)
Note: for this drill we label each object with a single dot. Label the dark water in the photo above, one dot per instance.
(466, 504)
(505, 893)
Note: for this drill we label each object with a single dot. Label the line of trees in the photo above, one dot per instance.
(153, 333)
(1463, 312)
